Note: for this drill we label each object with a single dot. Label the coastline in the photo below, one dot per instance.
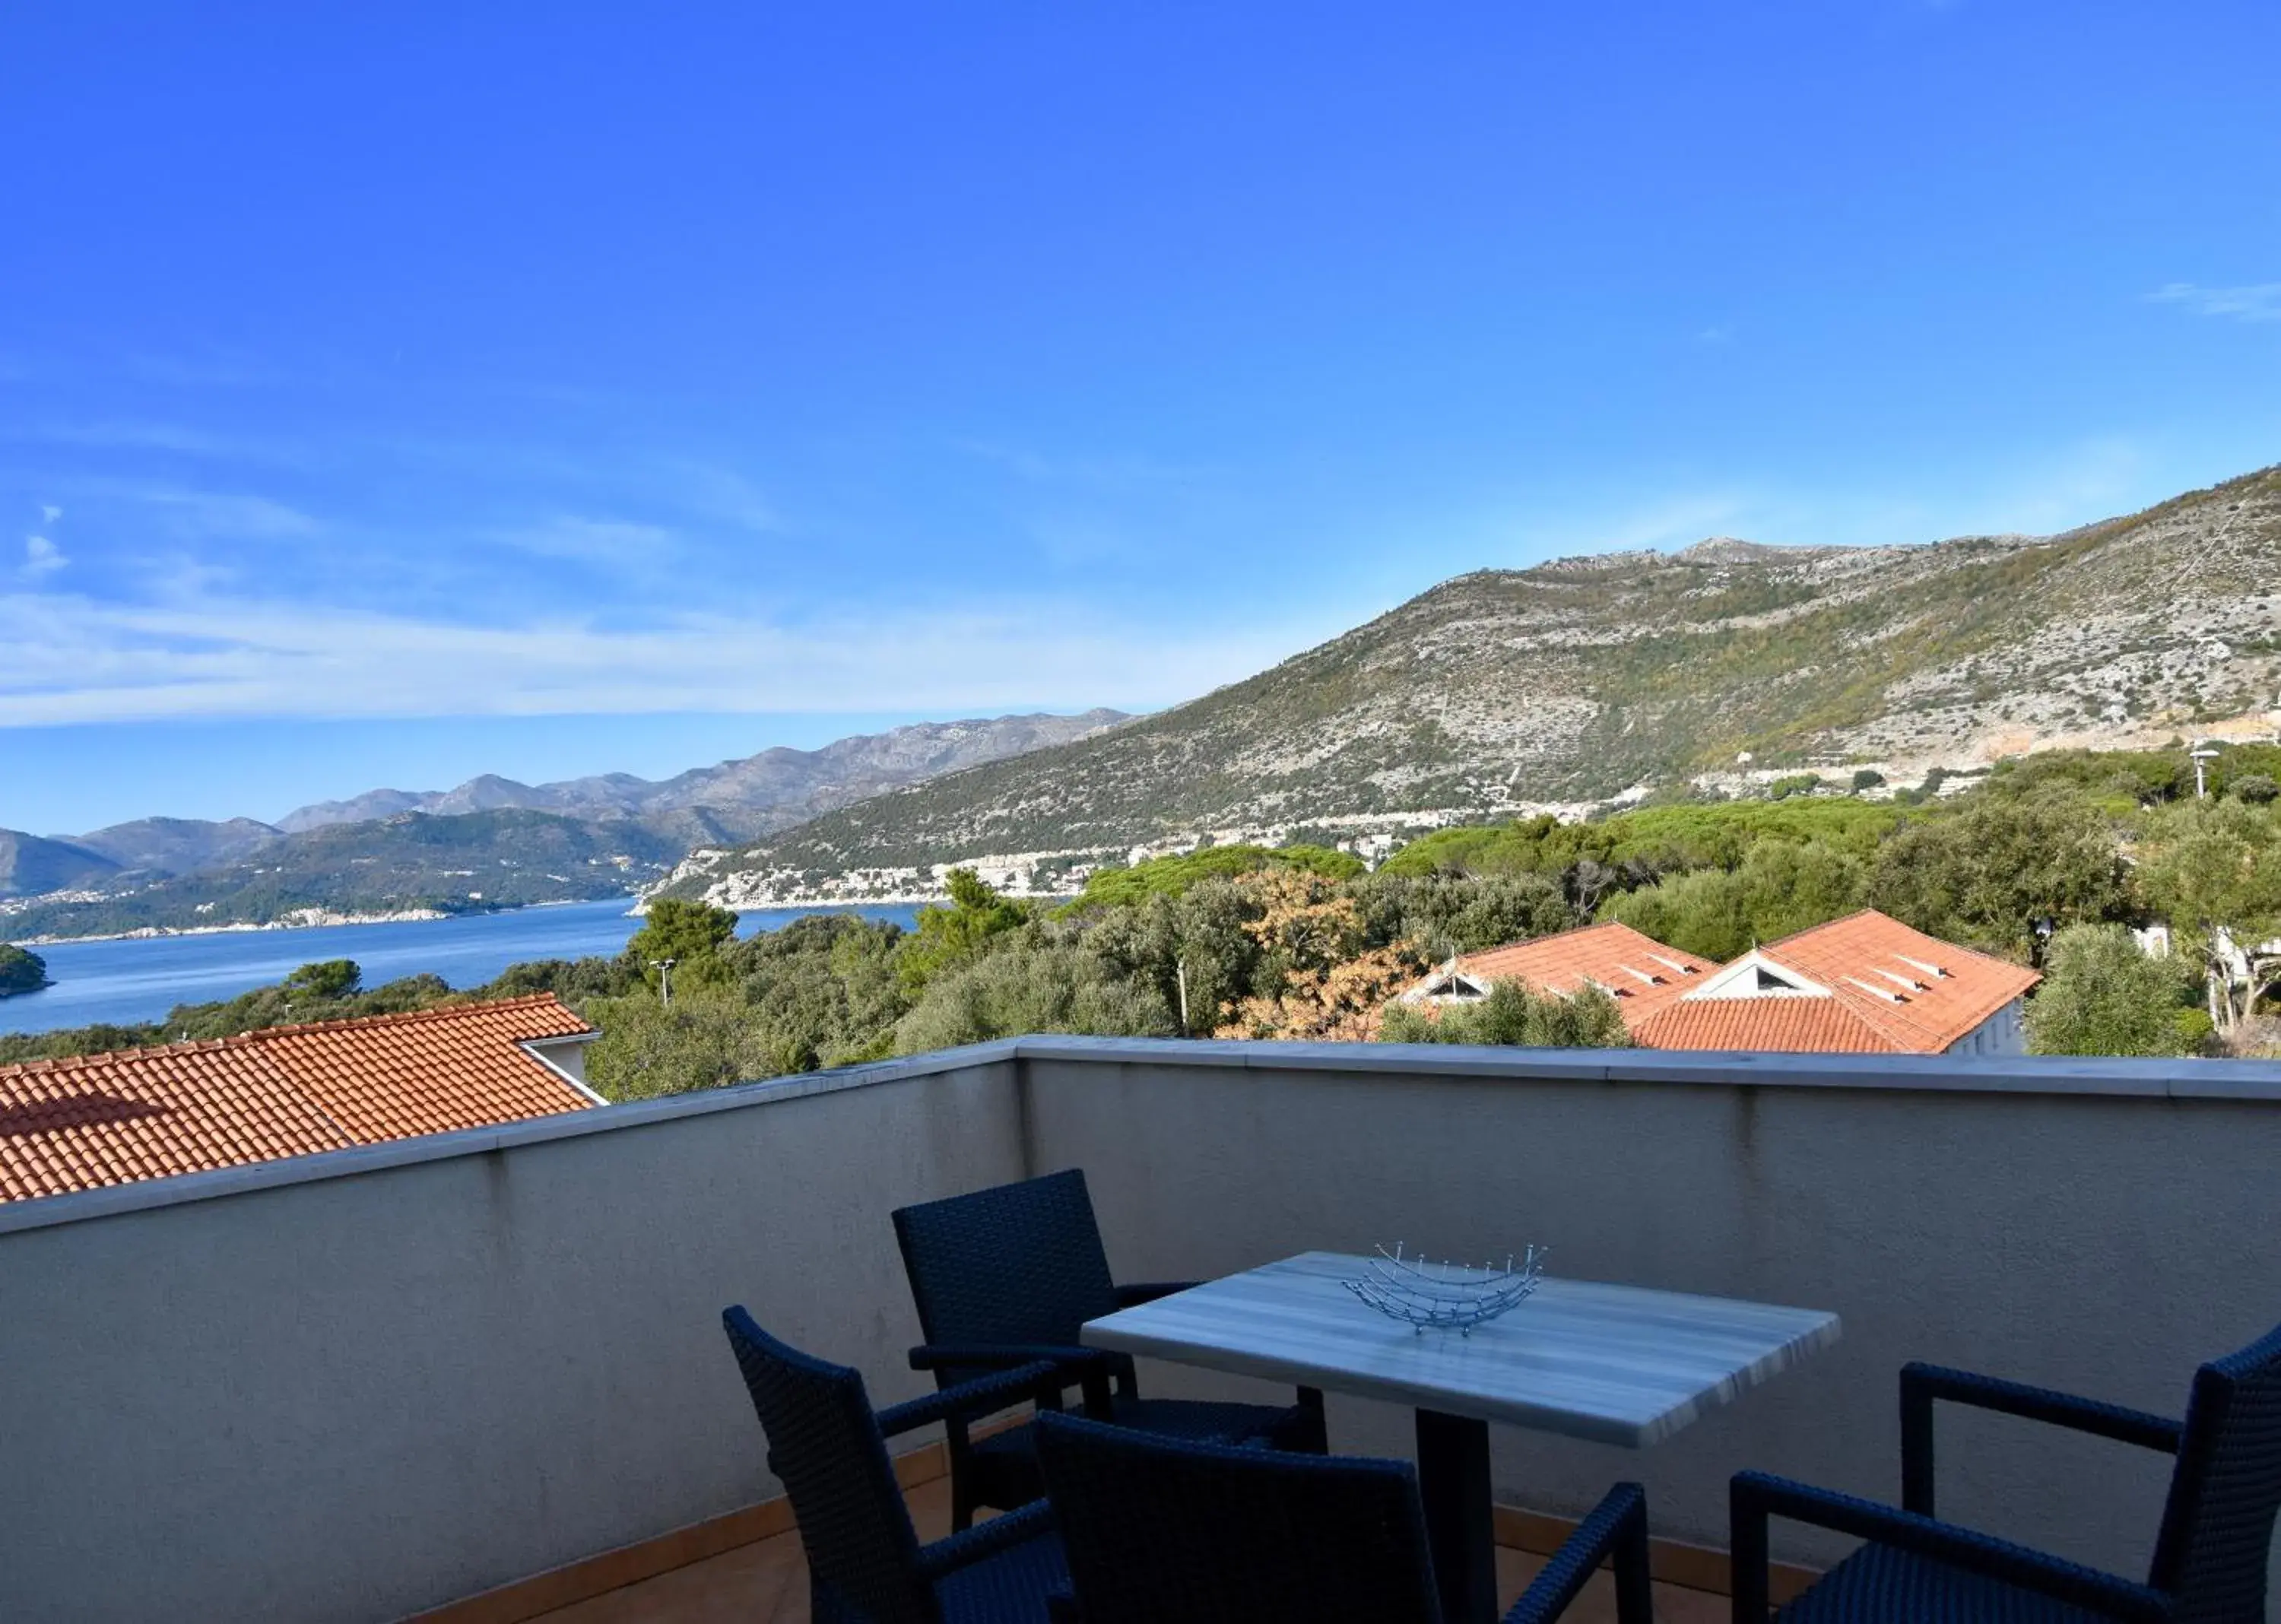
(305, 919)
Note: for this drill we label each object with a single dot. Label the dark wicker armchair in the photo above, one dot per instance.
(865, 1563)
(1166, 1531)
(2209, 1559)
(1007, 1275)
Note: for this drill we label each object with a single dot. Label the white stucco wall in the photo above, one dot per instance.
(350, 1387)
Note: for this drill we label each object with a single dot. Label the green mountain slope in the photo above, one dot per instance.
(30, 864)
(1576, 680)
(473, 862)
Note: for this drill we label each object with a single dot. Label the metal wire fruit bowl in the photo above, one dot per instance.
(1447, 1296)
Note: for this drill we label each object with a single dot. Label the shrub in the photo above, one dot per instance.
(1174, 875)
(1514, 1015)
(1052, 987)
(2101, 995)
(707, 1040)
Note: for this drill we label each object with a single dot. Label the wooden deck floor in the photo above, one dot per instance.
(766, 1583)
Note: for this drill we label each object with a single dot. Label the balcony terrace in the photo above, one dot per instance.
(484, 1371)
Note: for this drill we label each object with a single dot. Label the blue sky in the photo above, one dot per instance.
(385, 399)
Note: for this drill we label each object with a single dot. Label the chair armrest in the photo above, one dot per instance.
(1089, 1366)
(980, 1396)
(935, 1356)
(1754, 1497)
(1617, 1527)
(1922, 1384)
(986, 1539)
(1148, 1291)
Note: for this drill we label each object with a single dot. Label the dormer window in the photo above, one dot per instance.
(1769, 982)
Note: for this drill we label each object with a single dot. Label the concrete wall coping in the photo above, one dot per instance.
(48, 1210)
(2184, 1080)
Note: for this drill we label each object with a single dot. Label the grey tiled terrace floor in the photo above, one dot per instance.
(766, 1583)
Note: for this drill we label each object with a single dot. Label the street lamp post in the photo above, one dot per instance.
(664, 968)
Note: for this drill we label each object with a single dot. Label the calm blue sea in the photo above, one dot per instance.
(141, 978)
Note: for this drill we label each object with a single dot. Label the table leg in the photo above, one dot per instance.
(1453, 1479)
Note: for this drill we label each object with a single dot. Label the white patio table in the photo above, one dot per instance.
(1613, 1363)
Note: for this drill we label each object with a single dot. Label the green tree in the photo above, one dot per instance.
(1512, 1014)
(2102, 995)
(1985, 874)
(2214, 869)
(822, 991)
(1867, 778)
(1172, 875)
(21, 971)
(1024, 987)
(706, 1039)
(1778, 889)
(327, 980)
(1445, 913)
(949, 936)
(690, 933)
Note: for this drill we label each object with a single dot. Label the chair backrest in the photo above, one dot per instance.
(825, 1444)
(1020, 1263)
(2218, 1524)
(1160, 1530)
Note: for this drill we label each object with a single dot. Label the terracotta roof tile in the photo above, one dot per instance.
(1790, 1025)
(1642, 973)
(1920, 993)
(105, 1119)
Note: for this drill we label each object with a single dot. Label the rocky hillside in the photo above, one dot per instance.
(177, 845)
(1582, 679)
(30, 864)
(773, 790)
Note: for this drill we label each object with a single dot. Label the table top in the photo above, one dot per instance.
(1615, 1363)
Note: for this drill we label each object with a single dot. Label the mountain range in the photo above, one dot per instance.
(1592, 679)
(491, 842)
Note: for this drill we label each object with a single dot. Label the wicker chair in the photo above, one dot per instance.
(865, 1563)
(1007, 1275)
(1168, 1531)
(2209, 1558)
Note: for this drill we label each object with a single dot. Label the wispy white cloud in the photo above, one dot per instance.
(1110, 471)
(618, 545)
(42, 556)
(69, 659)
(229, 514)
(50, 513)
(130, 435)
(2255, 302)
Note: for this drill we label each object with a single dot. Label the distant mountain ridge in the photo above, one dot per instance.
(786, 784)
(448, 851)
(1566, 685)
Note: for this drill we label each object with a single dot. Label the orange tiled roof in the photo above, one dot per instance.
(1792, 1026)
(1918, 992)
(105, 1119)
(1642, 973)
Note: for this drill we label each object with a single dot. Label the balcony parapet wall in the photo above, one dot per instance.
(357, 1385)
